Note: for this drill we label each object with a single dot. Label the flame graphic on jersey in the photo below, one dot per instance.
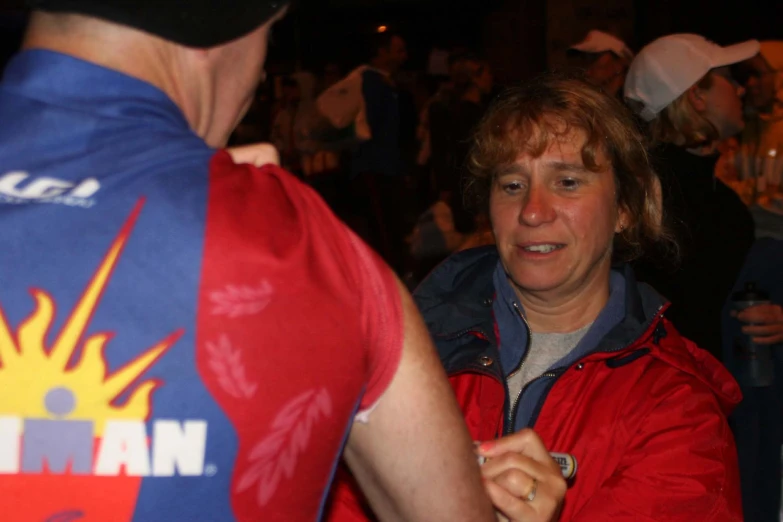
(43, 381)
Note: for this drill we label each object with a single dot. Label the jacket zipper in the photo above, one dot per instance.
(512, 413)
(553, 374)
(513, 417)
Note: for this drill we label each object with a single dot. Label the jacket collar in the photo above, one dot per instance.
(457, 299)
(458, 295)
(513, 330)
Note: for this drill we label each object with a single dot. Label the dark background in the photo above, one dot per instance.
(511, 32)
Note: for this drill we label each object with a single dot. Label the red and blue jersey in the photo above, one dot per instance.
(181, 337)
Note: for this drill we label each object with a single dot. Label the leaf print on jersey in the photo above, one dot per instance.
(226, 362)
(275, 457)
(236, 301)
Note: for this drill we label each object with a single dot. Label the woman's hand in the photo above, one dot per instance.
(522, 479)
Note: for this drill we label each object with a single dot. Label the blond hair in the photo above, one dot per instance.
(680, 123)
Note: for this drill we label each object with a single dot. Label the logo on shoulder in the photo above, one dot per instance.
(20, 188)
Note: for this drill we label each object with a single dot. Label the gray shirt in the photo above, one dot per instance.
(545, 350)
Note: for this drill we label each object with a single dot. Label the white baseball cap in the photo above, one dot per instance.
(601, 42)
(670, 65)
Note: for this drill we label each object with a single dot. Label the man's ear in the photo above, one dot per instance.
(696, 98)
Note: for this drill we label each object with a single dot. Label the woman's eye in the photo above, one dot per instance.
(512, 188)
(570, 183)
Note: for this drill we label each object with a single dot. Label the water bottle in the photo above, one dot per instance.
(754, 360)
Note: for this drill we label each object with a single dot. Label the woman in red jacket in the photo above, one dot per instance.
(550, 331)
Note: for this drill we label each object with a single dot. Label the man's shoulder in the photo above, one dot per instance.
(265, 186)
(272, 208)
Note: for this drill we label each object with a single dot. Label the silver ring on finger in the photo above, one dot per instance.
(532, 495)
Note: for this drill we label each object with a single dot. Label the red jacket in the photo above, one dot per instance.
(646, 419)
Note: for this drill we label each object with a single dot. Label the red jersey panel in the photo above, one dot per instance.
(299, 325)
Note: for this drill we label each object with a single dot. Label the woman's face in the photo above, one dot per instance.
(608, 72)
(722, 103)
(760, 83)
(554, 220)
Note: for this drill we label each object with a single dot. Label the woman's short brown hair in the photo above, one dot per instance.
(526, 119)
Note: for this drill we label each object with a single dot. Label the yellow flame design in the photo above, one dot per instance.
(28, 370)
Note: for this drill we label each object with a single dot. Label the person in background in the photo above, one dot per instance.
(760, 157)
(367, 103)
(208, 338)
(435, 123)
(324, 153)
(474, 91)
(682, 86)
(320, 158)
(539, 332)
(758, 423)
(604, 58)
(447, 224)
(473, 86)
(435, 111)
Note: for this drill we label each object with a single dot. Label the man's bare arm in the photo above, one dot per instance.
(414, 460)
